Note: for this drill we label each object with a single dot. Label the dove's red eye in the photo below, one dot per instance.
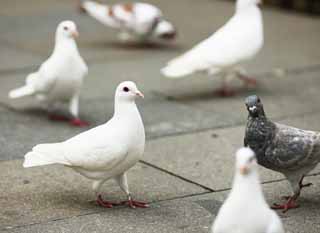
(125, 89)
(65, 28)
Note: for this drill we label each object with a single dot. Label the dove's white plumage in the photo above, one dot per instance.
(238, 40)
(245, 210)
(141, 20)
(104, 152)
(60, 77)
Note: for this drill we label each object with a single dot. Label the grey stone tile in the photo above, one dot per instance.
(53, 192)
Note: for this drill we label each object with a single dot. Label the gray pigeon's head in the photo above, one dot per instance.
(254, 106)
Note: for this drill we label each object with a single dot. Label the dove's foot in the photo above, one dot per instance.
(290, 204)
(105, 204)
(249, 82)
(56, 117)
(79, 123)
(225, 92)
(135, 204)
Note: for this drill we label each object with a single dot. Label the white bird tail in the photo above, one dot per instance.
(45, 154)
(179, 67)
(26, 90)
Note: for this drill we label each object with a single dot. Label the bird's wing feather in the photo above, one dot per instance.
(293, 148)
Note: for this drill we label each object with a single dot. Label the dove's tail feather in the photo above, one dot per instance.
(45, 154)
(178, 68)
(22, 91)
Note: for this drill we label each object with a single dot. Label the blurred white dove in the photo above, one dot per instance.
(104, 152)
(240, 39)
(59, 79)
(140, 21)
(245, 210)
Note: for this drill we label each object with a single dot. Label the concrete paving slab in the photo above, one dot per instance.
(302, 220)
(201, 156)
(53, 192)
(173, 216)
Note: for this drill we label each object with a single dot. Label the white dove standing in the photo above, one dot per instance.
(141, 21)
(245, 210)
(59, 79)
(239, 40)
(104, 152)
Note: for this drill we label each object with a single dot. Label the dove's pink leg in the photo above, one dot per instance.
(250, 82)
(56, 117)
(104, 203)
(78, 122)
(225, 91)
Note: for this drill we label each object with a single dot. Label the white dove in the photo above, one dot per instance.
(104, 152)
(59, 79)
(238, 40)
(141, 21)
(245, 210)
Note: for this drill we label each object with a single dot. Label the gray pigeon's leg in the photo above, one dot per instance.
(295, 181)
(243, 76)
(123, 183)
(96, 188)
(74, 110)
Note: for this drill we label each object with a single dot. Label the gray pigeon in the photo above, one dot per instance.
(288, 150)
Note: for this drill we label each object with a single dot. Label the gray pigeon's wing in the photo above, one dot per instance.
(293, 148)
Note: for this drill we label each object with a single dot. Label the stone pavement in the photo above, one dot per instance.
(192, 135)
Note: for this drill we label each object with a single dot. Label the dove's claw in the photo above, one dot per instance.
(225, 92)
(135, 204)
(79, 123)
(291, 204)
(104, 203)
(56, 117)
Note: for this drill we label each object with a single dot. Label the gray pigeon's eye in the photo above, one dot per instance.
(125, 89)
(65, 28)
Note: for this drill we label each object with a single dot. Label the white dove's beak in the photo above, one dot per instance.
(243, 170)
(75, 34)
(139, 93)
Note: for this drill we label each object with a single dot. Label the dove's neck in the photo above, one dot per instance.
(125, 109)
(247, 186)
(64, 44)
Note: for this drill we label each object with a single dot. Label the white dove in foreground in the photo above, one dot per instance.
(239, 40)
(245, 210)
(140, 21)
(59, 79)
(104, 152)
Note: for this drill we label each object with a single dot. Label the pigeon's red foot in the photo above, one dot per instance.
(135, 204)
(56, 117)
(225, 92)
(290, 204)
(105, 204)
(79, 123)
(249, 82)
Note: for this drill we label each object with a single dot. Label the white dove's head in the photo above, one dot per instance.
(128, 91)
(67, 29)
(165, 30)
(245, 3)
(246, 161)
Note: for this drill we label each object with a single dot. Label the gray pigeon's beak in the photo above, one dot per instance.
(244, 170)
(253, 109)
(139, 93)
(75, 34)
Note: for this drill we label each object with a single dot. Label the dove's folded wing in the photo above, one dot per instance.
(275, 225)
